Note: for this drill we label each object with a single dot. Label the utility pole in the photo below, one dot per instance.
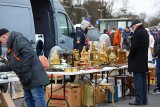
(100, 10)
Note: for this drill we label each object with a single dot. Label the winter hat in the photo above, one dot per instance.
(84, 24)
(120, 29)
(3, 31)
(136, 21)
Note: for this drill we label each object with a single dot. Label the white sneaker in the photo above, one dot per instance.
(156, 91)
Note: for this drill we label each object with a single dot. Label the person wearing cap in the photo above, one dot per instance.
(22, 59)
(117, 38)
(80, 39)
(138, 62)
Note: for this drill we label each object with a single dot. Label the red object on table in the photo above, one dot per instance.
(90, 68)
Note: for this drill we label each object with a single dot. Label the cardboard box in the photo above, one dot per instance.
(72, 93)
(6, 101)
(17, 95)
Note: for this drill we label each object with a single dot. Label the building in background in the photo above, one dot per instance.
(114, 23)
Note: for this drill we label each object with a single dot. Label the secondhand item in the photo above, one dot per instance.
(74, 69)
(44, 62)
(3, 77)
(88, 95)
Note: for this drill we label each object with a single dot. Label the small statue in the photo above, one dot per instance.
(84, 55)
(102, 54)
(54, 58)
(93, 53)
(83, 62)
(112, 57)
(76, 54)
(63, 64)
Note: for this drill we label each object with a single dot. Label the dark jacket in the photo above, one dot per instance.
(138, 56)
(24, 62)
(79, 40)
(125, 37)
(157, 47)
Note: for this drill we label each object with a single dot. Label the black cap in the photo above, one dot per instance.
(3, 31)
(136, 21)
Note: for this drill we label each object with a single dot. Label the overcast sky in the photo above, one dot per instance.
(139, 6)
(147, 6)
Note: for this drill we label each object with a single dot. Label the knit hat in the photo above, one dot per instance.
(3, 31)
(120, 29)
(84, 24)
(136, 21)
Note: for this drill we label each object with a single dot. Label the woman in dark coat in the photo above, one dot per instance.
(138, 61)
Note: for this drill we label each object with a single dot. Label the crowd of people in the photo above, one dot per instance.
(143, 45)
(140, 42)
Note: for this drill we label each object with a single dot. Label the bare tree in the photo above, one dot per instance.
(92, 6)
(153, 21)
(109, 8)
(157, 6)
(142, 16)
(122, 11)
(125, 3)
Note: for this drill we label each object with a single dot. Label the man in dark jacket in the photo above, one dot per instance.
(138, 61)
(22, 59)
(80, 38)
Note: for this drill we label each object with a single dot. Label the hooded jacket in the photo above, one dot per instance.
(138, 56)
(22, 59)
(117, 38)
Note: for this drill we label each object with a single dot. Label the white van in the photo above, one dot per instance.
(43, 17)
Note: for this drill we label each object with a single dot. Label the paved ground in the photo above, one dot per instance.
(153, 100)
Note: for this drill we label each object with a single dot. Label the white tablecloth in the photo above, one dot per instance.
(84, 71)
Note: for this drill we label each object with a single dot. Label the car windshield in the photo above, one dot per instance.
(93, 34)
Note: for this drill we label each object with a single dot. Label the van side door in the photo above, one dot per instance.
(65, 39)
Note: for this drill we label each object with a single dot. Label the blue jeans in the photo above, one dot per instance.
(140, 87)
(35, 97)
(158, 72)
